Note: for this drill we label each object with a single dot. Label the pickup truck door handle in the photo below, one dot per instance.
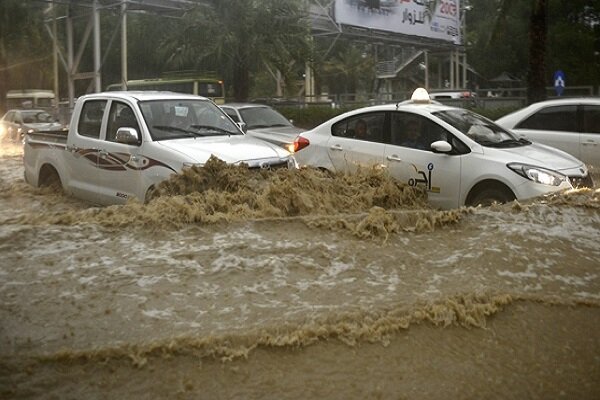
(336, 147)
(589, 143)
(393, 158)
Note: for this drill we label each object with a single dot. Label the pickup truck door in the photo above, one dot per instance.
(81, 156)
(119, 164)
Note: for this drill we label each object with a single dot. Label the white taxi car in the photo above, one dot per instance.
(461, 158)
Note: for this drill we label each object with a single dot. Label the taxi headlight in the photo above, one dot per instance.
(537, 174)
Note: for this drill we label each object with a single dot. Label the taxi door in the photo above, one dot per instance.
(357, 142)
(409, 159)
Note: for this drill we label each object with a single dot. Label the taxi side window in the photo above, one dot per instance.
(412, 130)
(558, 118)
(366, 127)
(417, 132)
(90, 120)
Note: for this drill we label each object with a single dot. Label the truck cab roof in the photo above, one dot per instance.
(142, 95)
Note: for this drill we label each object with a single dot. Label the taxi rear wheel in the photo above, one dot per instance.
(491, 195)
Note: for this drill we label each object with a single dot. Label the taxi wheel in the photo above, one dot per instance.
(489, 196)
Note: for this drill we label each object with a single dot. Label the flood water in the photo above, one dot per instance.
(286, 285)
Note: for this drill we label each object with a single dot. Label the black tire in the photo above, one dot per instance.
(489, 196)
(150, 194)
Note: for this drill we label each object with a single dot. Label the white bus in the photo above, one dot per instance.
(201, 86)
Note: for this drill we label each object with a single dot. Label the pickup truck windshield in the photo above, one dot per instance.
(176, 119)
(480, 129)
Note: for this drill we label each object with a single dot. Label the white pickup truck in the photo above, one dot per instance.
(121, 144)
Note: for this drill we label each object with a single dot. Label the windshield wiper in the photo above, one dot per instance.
(212, 129)
(507, 143)
(258, 126)
(170, 128)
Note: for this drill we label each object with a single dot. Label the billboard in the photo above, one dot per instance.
(434, 19)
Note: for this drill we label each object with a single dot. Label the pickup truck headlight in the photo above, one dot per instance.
(191, 164)
(537, 174)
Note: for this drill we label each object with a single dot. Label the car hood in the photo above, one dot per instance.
(44, 126)
(542, 156)
(231, 149)
(277, 134)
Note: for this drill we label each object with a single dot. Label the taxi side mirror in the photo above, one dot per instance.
(441, 146)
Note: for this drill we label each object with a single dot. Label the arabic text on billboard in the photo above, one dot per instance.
(427, 18)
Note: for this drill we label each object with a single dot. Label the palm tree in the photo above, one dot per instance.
(241, 35)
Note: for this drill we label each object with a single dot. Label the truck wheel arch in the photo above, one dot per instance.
(489, 189)
(49, 176)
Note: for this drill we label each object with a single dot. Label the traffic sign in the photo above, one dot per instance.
(559, 82)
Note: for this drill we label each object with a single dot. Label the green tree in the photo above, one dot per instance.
(561, 35)
(239, 36)
(538, 32)
(22, 47)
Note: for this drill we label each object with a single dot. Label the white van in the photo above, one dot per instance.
(30, 98)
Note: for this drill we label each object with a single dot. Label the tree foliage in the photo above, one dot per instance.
(23, 47)
(241, 36)
(501, 43)
(243, 40)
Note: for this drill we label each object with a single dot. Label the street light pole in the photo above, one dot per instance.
(466, 7)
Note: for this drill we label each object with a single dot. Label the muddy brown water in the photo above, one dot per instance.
(293, 286)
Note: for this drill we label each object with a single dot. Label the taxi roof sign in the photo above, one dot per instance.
(420, 96)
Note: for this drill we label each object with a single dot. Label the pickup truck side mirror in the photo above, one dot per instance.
(127, 136)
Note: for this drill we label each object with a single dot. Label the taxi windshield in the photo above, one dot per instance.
(480, 129)
(263, 117)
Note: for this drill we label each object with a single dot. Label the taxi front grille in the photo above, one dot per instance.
(582, 182)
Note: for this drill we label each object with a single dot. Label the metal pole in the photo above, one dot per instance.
(426, 70)
(464, 43)
(97, 65)
(55, 59)
(452, 69)
(124, 45)
(71, 72)
(465, 69)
